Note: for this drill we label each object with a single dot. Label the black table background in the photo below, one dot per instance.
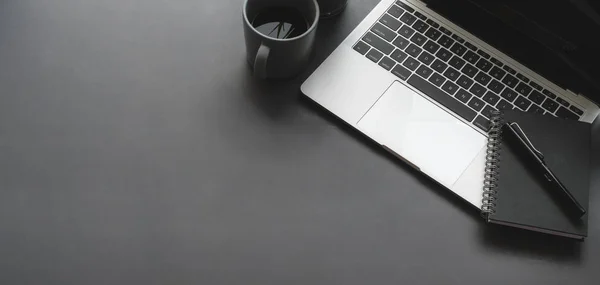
(136, 148)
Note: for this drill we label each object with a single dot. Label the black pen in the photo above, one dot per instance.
(513, 132)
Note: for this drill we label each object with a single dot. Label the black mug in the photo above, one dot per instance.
(273, 57)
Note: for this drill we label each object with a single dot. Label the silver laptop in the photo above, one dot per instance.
(423, 88)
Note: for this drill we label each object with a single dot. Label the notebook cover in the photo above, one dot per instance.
(522, 200)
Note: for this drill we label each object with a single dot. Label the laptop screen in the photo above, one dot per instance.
(559, 39)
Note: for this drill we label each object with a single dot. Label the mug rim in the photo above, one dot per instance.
(312, 26)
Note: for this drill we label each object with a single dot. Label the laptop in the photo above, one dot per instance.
(421, 77)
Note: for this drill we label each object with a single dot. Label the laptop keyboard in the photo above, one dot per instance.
(452, 71)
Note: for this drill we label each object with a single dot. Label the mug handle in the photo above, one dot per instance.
(260, 62)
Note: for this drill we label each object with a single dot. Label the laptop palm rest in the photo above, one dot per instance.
(422, 133)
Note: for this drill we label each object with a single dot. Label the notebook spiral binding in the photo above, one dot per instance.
(490, 183)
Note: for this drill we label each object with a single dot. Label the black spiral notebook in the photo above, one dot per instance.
(515, 195)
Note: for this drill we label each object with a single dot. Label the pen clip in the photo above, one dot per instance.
(524, 137)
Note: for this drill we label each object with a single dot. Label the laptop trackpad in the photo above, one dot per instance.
(424, 134)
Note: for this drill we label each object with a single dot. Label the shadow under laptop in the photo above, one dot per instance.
(523, 243)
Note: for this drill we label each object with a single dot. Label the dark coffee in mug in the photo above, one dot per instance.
(280, 22)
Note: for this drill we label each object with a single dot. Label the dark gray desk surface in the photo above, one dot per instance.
(135, 148)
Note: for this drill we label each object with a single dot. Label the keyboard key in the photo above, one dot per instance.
(483, 78)
(509, 95)
(374, 55)
(482, 123)
(398, 56)
(432, 23)
(406, 31)
(510, 80)
(442, 98)
(452, 74)
(509, 70)
(458, 39)
(483, 54)
(383, 32)
(496, 62)
(361, 47)
(476, 104)
(413, 50)
(496, 86)
(424, 71)
(418, 39)
(445, 31)
(420, 16)
(497, 72)
(536, 109)
(446, 41)
(469, 70)
(488, 111)
(471, 57)
(395, 11)
(523, 103)
(378, 43)
(576, 110)
(471, 46)
(562, 102)
(550, 105)
(437, 79)
(464, 82)
(549, 94)
(426, 58)
(444, 54)
(450, 87)
(463, 95)
(537, 97)
(431, 46)
(458, 49)
(411, 63)
(504, 105)
(491, 98)
(536, 86)
(484, 65)
(390, 22)
(433, 34)
(566, 114)
(522, 77)
(407, 18)
(387, 63)
(404, 6)
(420, 26)
(456, 62)
(523, 88)
(477, 90)
(439, 66)
(401, 72)
(400, 42)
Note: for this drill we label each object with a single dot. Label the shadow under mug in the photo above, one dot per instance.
(279, 58)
